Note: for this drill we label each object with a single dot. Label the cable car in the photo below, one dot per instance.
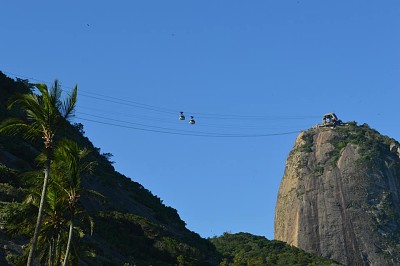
(191, 121)
(181, 116)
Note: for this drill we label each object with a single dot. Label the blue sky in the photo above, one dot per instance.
(240, 67)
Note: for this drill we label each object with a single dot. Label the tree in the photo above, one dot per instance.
(71, 163)
(52, 234)
(46, 114)
(61, 213)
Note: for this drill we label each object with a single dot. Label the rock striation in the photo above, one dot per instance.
(340, 196)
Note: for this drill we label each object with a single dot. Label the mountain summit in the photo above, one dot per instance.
(340, 195)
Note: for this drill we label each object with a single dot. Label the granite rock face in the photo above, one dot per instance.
(340, 196)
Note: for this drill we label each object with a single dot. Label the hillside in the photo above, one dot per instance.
(131, 225)
(247, 249)
(340, 196)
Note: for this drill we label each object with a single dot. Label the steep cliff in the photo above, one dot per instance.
(340, 196)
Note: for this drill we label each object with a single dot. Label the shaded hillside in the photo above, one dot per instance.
(131, 224)
(247, 249)
(340, 196)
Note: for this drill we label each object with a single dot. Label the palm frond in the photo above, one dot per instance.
(42, 88)
(32, 106)
(50, 106)
(45, 97)
(33, 198)
(69, 104)
(55, 198)
(84, 219)
(89, 254)
(94, 194)
(30, 103)
(33, 132)
(91, 221)
(41, 159)
(55, 95)
(73, 161)
(34, 178)
(13, 126)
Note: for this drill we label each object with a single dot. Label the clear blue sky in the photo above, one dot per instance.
(274, 66)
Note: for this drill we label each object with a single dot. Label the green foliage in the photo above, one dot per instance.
(319, 170)
(139, 193)
(23, 154)
(308, 138)
(10, 193)
(8, 175)
(17, 218)
(373, 146)
(9, 87)
(137, 237)
(246, 249)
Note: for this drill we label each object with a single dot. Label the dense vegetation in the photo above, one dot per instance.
(108, 218)
(246, 249)
(373, 146)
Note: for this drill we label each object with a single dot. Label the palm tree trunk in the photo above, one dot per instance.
(53, 245)
(71, 227)
(40, 213)
(50, 252)
(57, 256)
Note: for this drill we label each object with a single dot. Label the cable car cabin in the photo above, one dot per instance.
(181, 116)
(191, 121)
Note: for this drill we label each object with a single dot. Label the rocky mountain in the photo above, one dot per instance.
(340, 196)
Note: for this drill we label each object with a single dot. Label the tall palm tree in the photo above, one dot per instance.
(52, 234)
(46, 114)
(61, 213)
(71, 164)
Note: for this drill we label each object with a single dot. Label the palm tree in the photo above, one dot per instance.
(71, 164)
(60, 210)
(52, 234)
(21, 220)
(46, 114)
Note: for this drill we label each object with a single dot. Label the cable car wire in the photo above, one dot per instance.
(192, 134)
(134, 104)
(168, 111)
(150, 126)
(163, 128)
(172, 120)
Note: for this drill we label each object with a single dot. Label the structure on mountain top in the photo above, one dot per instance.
(330, 120)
